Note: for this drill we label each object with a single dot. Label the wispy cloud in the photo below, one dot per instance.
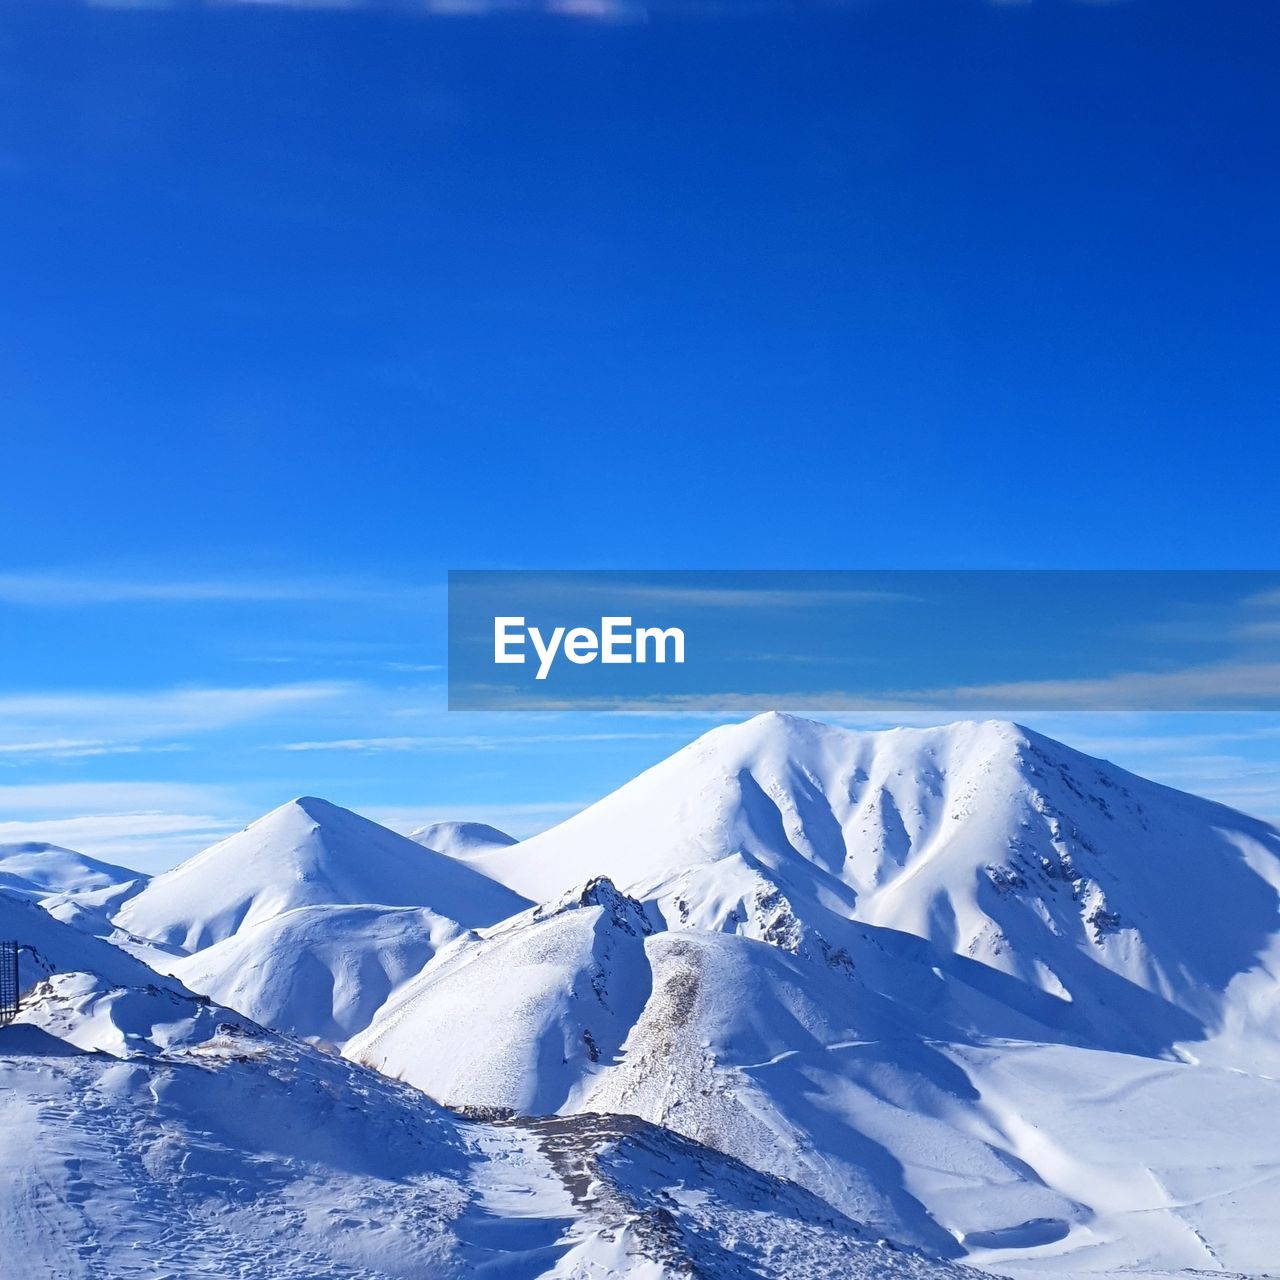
(60, 799)
(120, 720)
(148, 826)
(147, 842)
(1219, 686)
(1235, 683)
(693, 595)
(757, 597)
(471, 742)
(79, 748)
(1266, 629)
(588, 10)
(1184, 745)
(36, 589)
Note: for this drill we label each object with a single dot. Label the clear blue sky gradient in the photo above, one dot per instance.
(303, 308)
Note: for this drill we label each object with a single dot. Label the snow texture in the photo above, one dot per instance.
(151, 1133)
(962, 988)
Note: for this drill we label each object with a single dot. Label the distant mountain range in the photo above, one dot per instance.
(988, 997)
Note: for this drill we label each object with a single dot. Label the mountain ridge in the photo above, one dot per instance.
(306, 852)
(461, 839)
(851, 958)
(157, 1132)
(37, 869)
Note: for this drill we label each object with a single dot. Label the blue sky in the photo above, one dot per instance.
(303, 307)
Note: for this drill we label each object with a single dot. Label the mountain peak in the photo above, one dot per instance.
(461, 839)
(625, 912)
(36, 869)
(316, 807)
(774, 722)
(984, 837)
(308, 852)
(313, 808)
(33, 846)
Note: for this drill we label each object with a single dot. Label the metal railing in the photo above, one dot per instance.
(8, 981)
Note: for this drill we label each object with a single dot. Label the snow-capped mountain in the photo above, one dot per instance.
(307, 920)
(319, 972)
(306, 853)
(927, 1096)
(38, 870)
(955, 982)
(588, 1008)
(531, 1050)
(461, 839)
(153, 1133)
(832, 953)
(1129, 899)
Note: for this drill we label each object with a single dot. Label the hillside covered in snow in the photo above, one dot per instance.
(983, 995)
(151, 1132)
(37, 870)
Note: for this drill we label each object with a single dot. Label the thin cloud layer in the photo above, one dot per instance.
(60, 590)
(118, 721)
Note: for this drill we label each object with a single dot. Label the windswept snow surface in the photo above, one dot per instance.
(149, 1133)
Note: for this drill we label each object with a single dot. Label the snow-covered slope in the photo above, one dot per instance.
(306, 921)
(461, 839)
(914, 972)
(307, 853)
(151, 1133)
(827, 953)
(40, 870)
(49, 947)
(586, 1008)
(927, 1096)
(514, 1007)
(990, 840)
(318, 972)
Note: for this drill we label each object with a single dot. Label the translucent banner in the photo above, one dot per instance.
(731, 641)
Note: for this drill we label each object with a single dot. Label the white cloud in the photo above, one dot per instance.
(62, 799)
(1229, 685)
(729, 597)
(1097, 740)
(148, 826)
(69, 590)
(77, 748)
(471, 742)
(1207, 686)
(147, 842)
(1264, 630)
(112, 719)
